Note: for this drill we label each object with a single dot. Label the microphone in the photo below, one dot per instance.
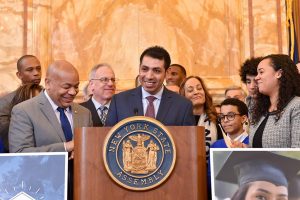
(135, 111)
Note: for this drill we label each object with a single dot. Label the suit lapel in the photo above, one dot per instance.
(164, 106)
(95, 116)
(136, 102)
(76, 120)
(47, 110)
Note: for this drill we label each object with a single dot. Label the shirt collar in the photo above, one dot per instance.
(98, 105)
(157, 95)
(241, 137)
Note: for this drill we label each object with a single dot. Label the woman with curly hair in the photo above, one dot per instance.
(194, 89)
(276, 113)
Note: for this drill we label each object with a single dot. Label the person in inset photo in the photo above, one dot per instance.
(253, 175)
(294, 188)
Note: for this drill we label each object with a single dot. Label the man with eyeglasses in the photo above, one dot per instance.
(234, 114)
(103, 87)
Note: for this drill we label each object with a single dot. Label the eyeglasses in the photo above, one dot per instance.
(105, 80)
(230, 116)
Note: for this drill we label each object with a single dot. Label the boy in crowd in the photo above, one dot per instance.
(234, 113)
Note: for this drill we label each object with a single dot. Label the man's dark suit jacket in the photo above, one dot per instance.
(95, 117)
(5, 112)
(174, 110)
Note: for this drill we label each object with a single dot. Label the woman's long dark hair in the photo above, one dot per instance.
(289, 86)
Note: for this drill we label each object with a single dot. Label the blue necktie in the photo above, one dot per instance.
(65, 124)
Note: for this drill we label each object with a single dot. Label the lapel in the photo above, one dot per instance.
(95, 115)
(136, 102)
(164, 106)
(49, 113)
(75, 115)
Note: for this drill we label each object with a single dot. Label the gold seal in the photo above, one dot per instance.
(139, 153)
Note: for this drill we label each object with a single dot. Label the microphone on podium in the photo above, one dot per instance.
(136, 111)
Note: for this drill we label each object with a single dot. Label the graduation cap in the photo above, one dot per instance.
(243, 167)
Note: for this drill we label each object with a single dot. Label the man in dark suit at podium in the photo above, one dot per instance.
(152, 99)
(103, 87)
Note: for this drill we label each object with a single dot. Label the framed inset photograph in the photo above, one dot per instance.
(255, 174)
(30, 176)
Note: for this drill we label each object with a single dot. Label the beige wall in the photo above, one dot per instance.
(210, 38)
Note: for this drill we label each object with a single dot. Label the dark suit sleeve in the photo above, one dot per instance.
(112, 117)
(189, 119)
(4, 111)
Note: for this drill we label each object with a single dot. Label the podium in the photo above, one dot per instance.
(187, 181)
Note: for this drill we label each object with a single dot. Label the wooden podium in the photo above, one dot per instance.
(187, 181)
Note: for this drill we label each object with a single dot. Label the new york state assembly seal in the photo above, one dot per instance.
(139, 153)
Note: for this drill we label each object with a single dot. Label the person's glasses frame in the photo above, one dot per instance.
(230, 116)
(105, 80)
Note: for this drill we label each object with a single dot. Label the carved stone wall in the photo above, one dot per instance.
(210, 38)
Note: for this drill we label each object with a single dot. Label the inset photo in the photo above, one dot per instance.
(250, 174)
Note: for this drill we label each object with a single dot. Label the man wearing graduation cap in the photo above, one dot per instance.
(260, 175)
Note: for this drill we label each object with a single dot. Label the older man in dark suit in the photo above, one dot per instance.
(103, 86)
(152, 98)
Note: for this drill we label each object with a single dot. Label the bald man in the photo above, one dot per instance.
(36, 125)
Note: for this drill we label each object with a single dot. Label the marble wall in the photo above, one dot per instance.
(210, 38)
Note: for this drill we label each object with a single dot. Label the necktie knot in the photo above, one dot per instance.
(102, 108)
(60, 109)
(150, 98)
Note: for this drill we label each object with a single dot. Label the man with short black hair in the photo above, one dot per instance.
(28, 71)
(175, 75)
(152, 99)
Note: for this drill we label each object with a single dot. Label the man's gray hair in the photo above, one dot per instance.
(95, 68)
(235, 88)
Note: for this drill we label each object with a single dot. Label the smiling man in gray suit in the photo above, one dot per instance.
(46, 122)
(36, 124)
(152, 98)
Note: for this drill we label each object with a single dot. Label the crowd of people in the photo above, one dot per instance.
(35, 118)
